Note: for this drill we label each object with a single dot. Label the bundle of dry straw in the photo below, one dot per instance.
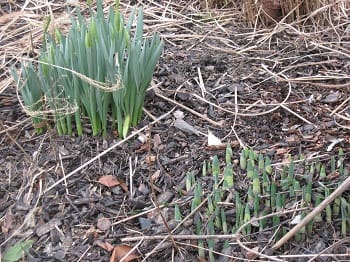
(266, 12)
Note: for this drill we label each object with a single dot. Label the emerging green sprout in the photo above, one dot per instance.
(264, 193)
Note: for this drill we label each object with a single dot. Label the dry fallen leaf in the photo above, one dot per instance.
(111, 181)
(122, 250)
(143, 148)
(123, 185)
(108, 180)
(282, 151)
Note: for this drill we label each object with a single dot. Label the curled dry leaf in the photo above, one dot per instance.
(143, 148)
(121, 251)
(333, 175)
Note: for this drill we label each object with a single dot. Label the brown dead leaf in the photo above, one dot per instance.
(104, 245)
(123, 186)
(111, 181)
(122, 250)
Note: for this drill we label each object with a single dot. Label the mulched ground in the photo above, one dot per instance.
(75, 219)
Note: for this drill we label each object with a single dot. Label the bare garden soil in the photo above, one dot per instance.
(282, 90)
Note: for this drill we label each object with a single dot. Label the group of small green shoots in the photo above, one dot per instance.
(270, 189)
(98, 70)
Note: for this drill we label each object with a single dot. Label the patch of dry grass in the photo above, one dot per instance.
(317, 13)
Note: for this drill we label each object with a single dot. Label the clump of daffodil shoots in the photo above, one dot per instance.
(222, 204)
(100, 70)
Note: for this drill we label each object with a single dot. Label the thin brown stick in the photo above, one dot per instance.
(297, 115)
(178, 237)
(340, 106)
(219, 124)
